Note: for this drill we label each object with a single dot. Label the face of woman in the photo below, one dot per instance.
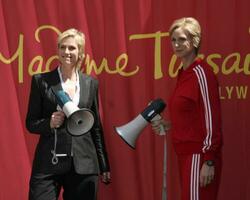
(68, 52)
(182, 43)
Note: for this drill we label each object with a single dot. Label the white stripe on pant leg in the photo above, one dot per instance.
(194, 179)
(191, 179)
(198, 176)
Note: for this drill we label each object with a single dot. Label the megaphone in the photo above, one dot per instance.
(79, 121)
(130, 131)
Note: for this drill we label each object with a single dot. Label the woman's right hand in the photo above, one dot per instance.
(57, 119)
(160, 126)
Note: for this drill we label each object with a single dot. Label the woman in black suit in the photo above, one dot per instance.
(61, 160)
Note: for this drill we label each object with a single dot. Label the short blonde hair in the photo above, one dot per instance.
(80, 40)
(190, 25)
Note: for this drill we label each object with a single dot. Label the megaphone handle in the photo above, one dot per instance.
(54, 159)
(162, 130)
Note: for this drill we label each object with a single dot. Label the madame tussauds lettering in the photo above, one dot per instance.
(226, 65)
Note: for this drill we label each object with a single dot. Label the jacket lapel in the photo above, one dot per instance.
(85, 87)
(55, 83)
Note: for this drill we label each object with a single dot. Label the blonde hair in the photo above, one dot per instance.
(193, 28)
(80, 40)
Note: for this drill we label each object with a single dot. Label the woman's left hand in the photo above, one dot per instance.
(206, 175)
(106, 177)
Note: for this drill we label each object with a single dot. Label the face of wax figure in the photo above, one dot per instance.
(185, 36)
(68, 52)
(182, 43)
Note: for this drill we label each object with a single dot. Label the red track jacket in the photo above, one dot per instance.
(195, 112)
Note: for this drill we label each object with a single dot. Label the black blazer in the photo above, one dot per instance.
(89, 154)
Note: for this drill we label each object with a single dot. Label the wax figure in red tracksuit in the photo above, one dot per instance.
(195, 116)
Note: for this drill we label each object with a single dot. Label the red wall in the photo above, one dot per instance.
(128, 50)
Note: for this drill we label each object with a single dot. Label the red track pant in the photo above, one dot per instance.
(190, 166)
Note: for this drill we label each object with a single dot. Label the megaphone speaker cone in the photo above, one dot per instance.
(131, 131)
(80, 122)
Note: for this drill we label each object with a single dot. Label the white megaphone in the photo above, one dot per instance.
(130, 131)
(79, 121)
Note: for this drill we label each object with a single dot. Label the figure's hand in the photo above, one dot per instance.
(57, 119)
(160, 126)
(206, 175)
(106, 178)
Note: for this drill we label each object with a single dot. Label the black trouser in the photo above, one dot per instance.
(76, 186)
